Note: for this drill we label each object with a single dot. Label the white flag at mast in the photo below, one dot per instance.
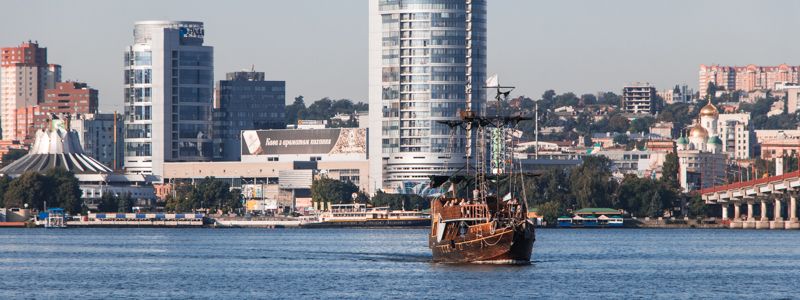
(493, 81)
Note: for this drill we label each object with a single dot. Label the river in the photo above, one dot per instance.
(391, 263)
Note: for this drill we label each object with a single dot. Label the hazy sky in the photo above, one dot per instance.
(319, 47)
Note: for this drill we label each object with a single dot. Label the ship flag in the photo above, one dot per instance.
(492, 81)
(507, 197)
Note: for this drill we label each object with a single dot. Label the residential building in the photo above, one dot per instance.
(625, 162)
(679, 94)
(663, 129)
(26, 124)
(746, 78)
(427, 61)
(169, 82)
(777, 148)
(245, 101)
(736, 135)
(639, 98)
(24, 78)
(792, 98)
(66, 99)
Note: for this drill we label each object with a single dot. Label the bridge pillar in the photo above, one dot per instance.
(724, 211)
(777, 222)
(736, 222)
(793, 222)
(750, 223)
(763, 223)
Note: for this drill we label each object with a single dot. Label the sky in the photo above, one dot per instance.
(319, 47)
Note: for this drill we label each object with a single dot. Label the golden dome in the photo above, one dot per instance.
(698, 131)
(709, 110)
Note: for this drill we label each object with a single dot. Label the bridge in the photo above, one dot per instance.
(774, 198)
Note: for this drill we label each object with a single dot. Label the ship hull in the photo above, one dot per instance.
(510, 245)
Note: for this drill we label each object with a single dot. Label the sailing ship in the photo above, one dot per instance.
(483, 228)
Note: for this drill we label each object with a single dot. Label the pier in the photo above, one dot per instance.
(764, 203)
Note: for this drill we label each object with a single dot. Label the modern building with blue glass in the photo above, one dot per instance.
(169, 84)
(245, 101)
(427, 61)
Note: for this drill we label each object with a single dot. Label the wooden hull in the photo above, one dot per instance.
(508, 245)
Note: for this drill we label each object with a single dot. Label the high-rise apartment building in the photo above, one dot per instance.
(639, 98)
(24, 78)
(736, 135)
(26, 124)
(169, 85)
(422, 56)
(67, 98)
(747, 78)
(245, 101)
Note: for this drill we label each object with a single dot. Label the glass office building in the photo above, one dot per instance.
(422, 54)
(168, 96)
(245, 101)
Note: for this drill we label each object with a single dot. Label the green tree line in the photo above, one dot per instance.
(207, 194)
(323, 109)
(57, 187)
(327, 190)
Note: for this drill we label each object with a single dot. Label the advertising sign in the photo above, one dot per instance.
(300, 141)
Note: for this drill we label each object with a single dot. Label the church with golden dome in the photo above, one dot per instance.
(700, 150)
(704, 134)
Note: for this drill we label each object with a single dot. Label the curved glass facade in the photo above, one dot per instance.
(425, 52)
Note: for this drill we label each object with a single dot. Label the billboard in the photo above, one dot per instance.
(329, 141)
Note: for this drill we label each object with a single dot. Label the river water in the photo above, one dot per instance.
(378, 263)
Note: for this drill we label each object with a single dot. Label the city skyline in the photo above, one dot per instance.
(584, 41)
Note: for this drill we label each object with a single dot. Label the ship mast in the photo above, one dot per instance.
(468, 87)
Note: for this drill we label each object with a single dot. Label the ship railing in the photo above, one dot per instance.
(467, 211)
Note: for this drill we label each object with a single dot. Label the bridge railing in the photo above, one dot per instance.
(753, 182)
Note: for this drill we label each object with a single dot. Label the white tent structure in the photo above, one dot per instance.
(59, 147)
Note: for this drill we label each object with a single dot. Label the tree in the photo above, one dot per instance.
(124, 203)
(399, 201)
(698, 207)
(29, 188)
(548, 95)
(618, 123)
(609, 98)
(711, 90)
(108, 203)
(641, 124)
(621, 139)
(588, 99)
(591, 183)
(12, 155)
(295, 111)
(335, 191)
(551, 211)
(644, 196)
(670, 170)
(208, 193)
(179, 200)
(67, 190)
(4, 183)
